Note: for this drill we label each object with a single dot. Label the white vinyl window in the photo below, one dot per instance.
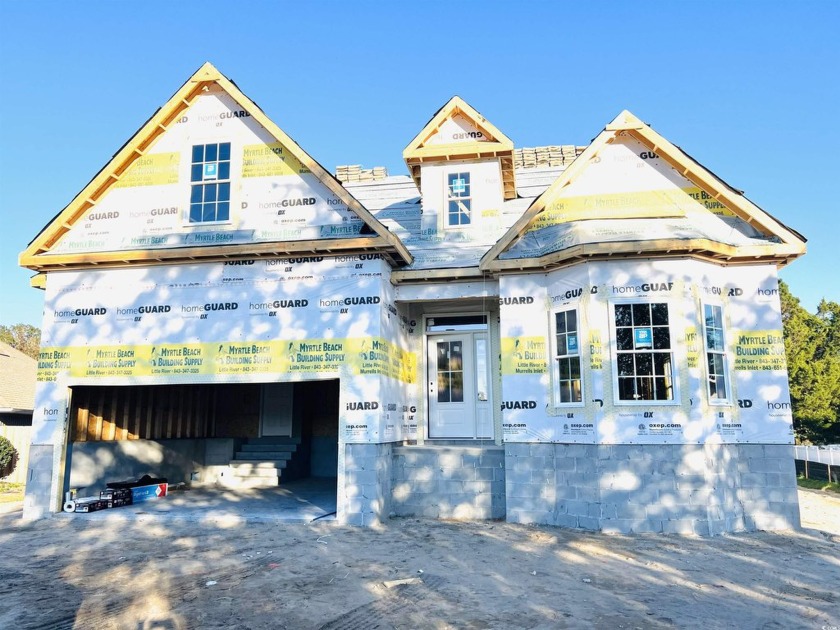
(458, 199)
(644, 359)
(716, 364)
(567, 369)
(210, 183)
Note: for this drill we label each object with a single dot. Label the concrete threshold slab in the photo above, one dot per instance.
(300, 501)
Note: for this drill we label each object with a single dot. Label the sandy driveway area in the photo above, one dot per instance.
(144, 573)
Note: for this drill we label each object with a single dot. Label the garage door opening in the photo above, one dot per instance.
(278, 441)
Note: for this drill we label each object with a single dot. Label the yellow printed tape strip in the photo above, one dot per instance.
(675, 202)
(524, 355)
(157, 169)
(759, 350)
(266, 160)
(371, 355)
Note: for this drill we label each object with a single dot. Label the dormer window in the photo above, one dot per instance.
(459, 200)
(210, 177)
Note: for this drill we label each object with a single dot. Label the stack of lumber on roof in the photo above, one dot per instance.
(355, 173)
(551, 156)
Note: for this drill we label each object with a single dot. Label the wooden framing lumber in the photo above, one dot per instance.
(215, 254)
(38, 281)
(662, 248)
(436, 275)
(713, 186)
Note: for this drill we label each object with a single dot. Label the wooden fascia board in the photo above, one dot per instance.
(778, 261)
(204, 253)
(434, 275)
(625, 121)
(104, 179)
(38, 281)
(480, 149)
(456, 105)
(537, 206)
(319, 171)
(428, 129)
(416, 153)
(702, 177)
(648, 249)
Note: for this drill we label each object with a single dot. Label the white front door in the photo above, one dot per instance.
(459, 386)
(276, 409)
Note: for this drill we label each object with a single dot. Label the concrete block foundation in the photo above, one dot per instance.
(683, 489)
(366, 488)
(702, 490)
(449, 482)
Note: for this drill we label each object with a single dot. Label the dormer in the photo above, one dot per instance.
(463, 167)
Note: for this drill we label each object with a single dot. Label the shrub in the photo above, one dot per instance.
(8, 456)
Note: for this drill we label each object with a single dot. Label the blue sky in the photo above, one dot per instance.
(749, 89)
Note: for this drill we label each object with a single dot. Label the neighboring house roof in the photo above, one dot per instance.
(18, 375)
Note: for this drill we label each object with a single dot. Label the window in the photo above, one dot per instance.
(450, 371)
(715, 352)
(567, 355)
(643, 352)
(459, 199)
(210, 177)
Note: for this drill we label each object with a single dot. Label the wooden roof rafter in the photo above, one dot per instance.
(790, 246)
(448, 274)
(202, 81)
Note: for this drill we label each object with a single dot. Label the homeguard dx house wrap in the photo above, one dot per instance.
(582, 336)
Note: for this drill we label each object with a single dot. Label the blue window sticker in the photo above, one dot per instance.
(210, 171)
(459, 185)
(643, 338)
(572, 344)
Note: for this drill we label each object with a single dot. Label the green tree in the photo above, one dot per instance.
(812, 344)
(8, 457)
(22, 337)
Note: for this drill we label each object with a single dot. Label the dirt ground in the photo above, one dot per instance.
(132, 571)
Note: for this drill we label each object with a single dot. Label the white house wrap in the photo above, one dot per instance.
(593, 341)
